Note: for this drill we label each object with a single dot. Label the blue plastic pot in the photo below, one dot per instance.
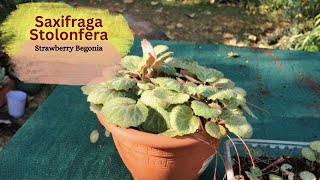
(16, 103)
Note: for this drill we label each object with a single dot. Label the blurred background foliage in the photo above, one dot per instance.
(302, 18)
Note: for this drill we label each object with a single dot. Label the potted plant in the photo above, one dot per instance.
(5, 86)
(272, 159)
(166, 115)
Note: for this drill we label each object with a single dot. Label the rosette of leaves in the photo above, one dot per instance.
(160, 94)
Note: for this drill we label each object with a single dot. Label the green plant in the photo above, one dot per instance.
(3, 76)
(172, 96)
(310, 40)
(312, 153)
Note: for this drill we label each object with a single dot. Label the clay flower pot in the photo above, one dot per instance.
(151, 156)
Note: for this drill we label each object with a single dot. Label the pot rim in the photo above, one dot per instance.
(158, 140)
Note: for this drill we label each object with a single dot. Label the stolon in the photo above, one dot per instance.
(54, 143)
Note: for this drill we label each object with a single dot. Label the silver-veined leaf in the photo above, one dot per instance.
(132, 63)
(206, 91)
(167, 69)
(223, 94)
(149, 99)
(160, 49)
(155, 122)
(182, 120)
(238, 125)
(124, 112)
(202, 109)
(315, 145)
(309, 154)
(169, 96)
(190, 88)
(168, 83)
(144, 85)
(205, 74)
(216, 131)
(121, 83)
(96, 108)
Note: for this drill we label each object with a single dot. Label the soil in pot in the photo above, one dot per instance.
(152, 156)
(299, 164)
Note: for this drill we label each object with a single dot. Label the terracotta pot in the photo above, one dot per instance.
(151, 156)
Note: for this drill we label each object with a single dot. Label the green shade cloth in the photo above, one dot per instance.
(54, 143)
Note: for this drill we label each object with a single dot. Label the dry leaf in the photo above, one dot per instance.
(252, 37)
(94, 136)
(107, 133)
(192, 15)
(232, 54)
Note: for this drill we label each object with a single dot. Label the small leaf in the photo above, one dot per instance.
(256, 171)
(216, 131)
(96, 108)
(121, 83)
(94, 136)
(144, 85)
(306, 175)
(202, 109)
(107, 133)
(182, 120)
(206, 91)
(239, 126)
(160, 49)
(256, 152)
(223, 94)
(285, 167)
(124, 112)
(132, 63)
(315, 145)
(309, 154)
(190, 88)
(168, 83)
(169, 96)
(87, 89)
(251, 176)
(155, 122)
(274, 177)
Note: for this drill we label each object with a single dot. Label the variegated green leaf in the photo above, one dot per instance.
(149, 99)
(216, 131)
(181, 63)
(315, 145)
(155, 122)
(161, 59)
(182, 120)
(167, 69)
(124, 112)
(122, 83)
(169, 96)
(205, 74)
(168, 83)
(309, 154)
(230, 104)
(87, 89)
(160, 49)
(202, 109)
(206, 91)
(224, 83)
(223, 94)
(144, 85)
(132, 63)
(256, 171)
(238, 125)
(190, 88)
(96, 108)
(306, 175)
(101, 94)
